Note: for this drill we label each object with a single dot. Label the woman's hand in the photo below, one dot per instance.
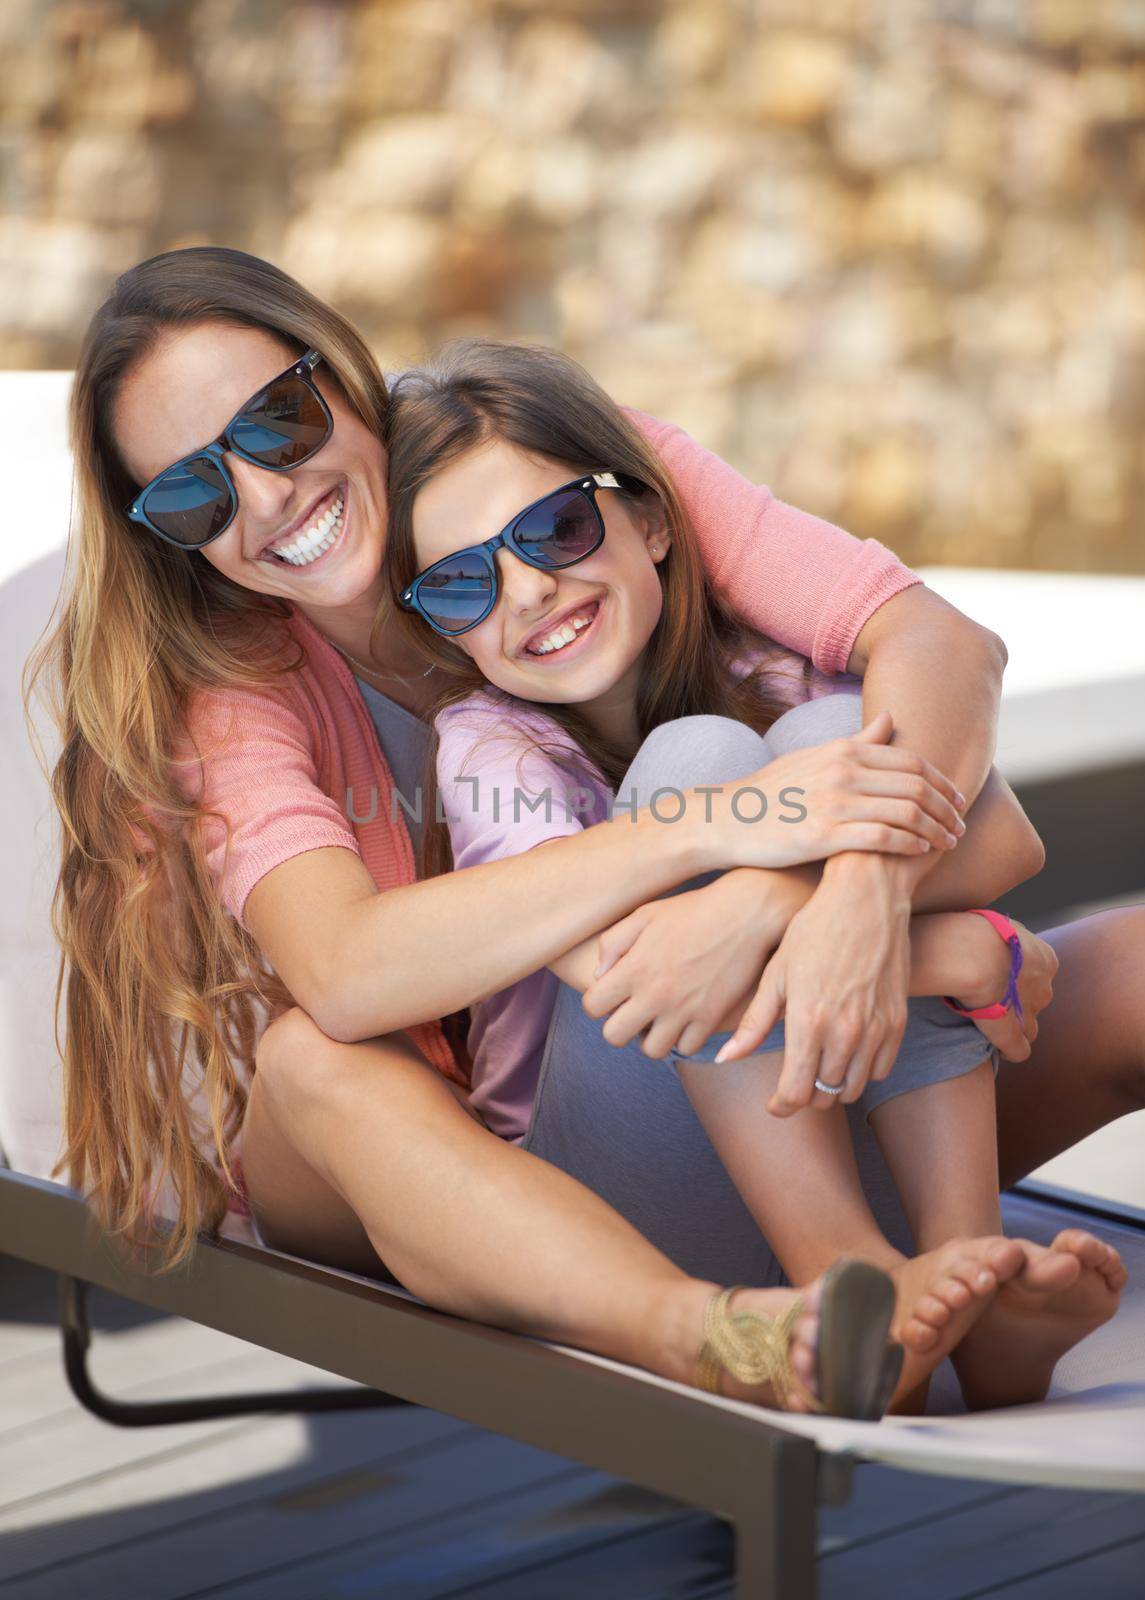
(674, 969)
(990, 957)
(853, 793)
(839, 980)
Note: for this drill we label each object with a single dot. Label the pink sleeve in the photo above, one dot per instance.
(792, 576)
(501, 796)
(247, 756)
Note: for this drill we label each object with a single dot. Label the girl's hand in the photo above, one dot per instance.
(991, 958)
(854, 793)
(674, 969)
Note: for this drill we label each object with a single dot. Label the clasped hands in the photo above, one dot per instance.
(752, 948)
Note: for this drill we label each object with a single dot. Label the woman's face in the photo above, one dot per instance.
(617, 587)
(183, 393)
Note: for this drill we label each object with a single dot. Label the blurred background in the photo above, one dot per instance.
(891, 261)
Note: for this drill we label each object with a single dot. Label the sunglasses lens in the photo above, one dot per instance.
(191, 503)
(562, 529)
(457, 594)
(284, 425)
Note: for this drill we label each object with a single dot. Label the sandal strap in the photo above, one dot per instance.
(753, 1348)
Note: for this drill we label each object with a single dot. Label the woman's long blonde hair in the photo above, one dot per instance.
(547, 405)
(159, 989)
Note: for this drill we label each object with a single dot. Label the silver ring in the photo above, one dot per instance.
(829, 1088)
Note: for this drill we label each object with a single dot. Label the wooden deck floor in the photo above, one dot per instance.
(411, 1505)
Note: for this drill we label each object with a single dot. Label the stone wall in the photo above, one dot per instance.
(892, 263)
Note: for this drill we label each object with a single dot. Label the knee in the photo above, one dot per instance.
(699, 749)
(291, 1053)
(830, 716)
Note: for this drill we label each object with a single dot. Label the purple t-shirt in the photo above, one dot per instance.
(502, 796)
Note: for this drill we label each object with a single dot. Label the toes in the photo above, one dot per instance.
(807, 1332)
(1058, 1270)
(953, 1291)
(1075, 1241)
(1005, 1258)
(1048, 1269)
(930, 1309)
(804, 1363)
(1115, 1272)
(915, 1335)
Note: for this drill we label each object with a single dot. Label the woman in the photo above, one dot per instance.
(210, 688)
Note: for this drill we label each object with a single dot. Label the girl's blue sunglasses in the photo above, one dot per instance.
(194, 500)
(558, 530)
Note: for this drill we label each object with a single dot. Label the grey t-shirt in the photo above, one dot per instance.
(404, 739)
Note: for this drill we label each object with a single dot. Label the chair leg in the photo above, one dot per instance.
(775, 1531)
(76, 1330)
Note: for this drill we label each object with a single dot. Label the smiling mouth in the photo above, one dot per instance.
(565, 633)
(315, 538)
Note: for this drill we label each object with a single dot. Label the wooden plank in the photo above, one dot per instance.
(1117, 1573)
(251, 1460)
(885, 1501)
(679, 1557)
(451, 1550)
(472, 1481)
(985, 1545)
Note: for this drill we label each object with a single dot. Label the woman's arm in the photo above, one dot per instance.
(363, 963)
(849, 603)
(940, 675)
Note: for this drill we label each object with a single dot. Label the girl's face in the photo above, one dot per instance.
(617, 587)
(183, 393)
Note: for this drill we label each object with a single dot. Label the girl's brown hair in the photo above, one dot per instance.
(159, 990)
(547, 405)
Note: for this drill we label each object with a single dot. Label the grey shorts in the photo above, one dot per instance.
(623, 1124)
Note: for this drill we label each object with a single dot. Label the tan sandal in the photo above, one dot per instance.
(857, 1369)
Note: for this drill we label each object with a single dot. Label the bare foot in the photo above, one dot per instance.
(1061, 1294)
(941, 1295)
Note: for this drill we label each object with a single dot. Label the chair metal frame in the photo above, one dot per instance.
(766, 1482)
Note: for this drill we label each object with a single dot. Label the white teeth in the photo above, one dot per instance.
(317, 539)
(561, 636)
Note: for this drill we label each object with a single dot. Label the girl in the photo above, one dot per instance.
(589, 622)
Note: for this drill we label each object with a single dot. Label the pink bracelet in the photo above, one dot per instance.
(1006, 930)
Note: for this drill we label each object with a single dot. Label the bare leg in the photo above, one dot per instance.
(799, 1180)
(940, 1145)
(359, 1154)
(797, 1175)
(1087, 1066)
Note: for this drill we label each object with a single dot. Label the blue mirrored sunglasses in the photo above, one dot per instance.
(558, 530)
(194, 500)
